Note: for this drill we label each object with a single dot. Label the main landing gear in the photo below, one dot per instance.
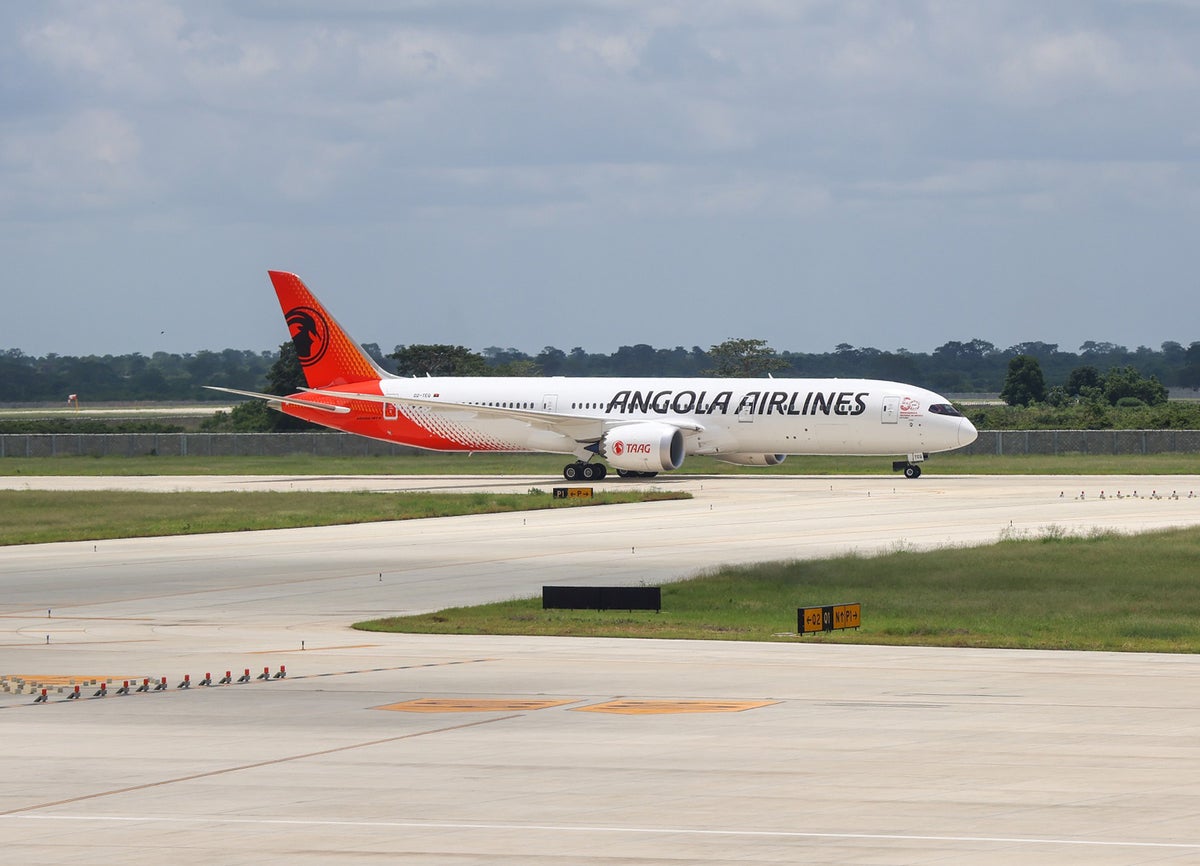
(910, 467)
(583, 471)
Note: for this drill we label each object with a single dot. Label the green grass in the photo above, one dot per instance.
(34, 516)
(551, 465)
(1104, 592)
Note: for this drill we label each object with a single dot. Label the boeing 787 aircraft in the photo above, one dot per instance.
(639, 427)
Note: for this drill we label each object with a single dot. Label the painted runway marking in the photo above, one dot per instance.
(640, 831)
(63, 679)
(632, 708)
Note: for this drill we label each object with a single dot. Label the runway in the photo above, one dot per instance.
(382, 748)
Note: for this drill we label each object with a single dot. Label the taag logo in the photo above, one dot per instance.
(310, 334)
(618, 448)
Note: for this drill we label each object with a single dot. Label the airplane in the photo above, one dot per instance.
(639, 427)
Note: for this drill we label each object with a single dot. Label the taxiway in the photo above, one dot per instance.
(462, 749)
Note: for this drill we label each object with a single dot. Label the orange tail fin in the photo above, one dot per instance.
(327, 353)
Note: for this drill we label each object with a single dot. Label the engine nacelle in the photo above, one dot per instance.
(751, 459)
(645, 447)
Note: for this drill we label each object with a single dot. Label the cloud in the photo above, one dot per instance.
(90, 161)
(811, 130)
(126, 48)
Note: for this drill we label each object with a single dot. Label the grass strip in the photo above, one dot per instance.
(1057, 591)
(34, 516)
(551, 465)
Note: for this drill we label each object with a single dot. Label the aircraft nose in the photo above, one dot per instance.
(966, 432)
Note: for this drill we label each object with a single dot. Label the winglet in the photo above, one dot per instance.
(327, 353)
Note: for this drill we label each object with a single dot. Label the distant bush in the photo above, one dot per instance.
(84, 425)
(1087, 415)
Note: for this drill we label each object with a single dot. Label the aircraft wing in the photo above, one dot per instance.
(275, 398)
(581, 428)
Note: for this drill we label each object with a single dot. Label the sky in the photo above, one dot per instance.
(600, 173)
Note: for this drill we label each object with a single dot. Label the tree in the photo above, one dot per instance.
(745, 358)
(499, 359)
(1093, 349)
(438, 359)
(1126, 383)
(1083, 378)
(1024, 383)
(973, 350)
(636, 360)
(551, 360)
(1036, 348)
(285, 377)
(1189, 375)
(376, 355)
(519, 367)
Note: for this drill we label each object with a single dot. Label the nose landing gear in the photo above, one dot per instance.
(910, 467)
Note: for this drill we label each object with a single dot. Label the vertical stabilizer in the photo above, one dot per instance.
(327, 353)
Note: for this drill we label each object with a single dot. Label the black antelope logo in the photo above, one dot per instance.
(310, 334)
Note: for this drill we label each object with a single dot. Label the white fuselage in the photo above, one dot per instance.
(716, 416)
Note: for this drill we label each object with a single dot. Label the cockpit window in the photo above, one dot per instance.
(945, 409)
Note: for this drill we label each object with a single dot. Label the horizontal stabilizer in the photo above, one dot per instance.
(291, 401)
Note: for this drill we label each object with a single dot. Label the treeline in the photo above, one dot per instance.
(976, 366)
(112, 378)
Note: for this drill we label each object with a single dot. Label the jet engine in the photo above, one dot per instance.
(751, 459)
(646, 447)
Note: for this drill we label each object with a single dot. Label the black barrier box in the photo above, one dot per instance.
(828, 618)
(601, 598)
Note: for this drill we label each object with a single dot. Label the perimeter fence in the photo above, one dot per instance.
(1012, 442)
(196, 445)
(1018, 442)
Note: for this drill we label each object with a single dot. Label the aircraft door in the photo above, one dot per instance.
(891, 410)
(550, 403)
(390, 412)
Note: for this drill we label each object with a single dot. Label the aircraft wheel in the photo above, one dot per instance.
(571, 471)
(624, 473)
(912, 471)
(601, 471)
(588, 471)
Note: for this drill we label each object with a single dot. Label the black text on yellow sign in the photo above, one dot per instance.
(572, 493)
(828, 618)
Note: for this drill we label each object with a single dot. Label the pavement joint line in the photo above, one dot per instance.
(648, 707)
(284, 582)
(476, 705)
(37, 616)
(284, 760)
(78, 643)
(396, 668)
(600, 828)
(314, 649)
